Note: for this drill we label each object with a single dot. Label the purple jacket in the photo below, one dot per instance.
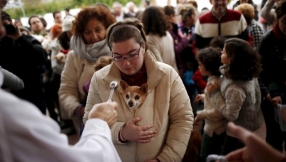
(179, 44)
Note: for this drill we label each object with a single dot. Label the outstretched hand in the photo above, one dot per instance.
(255, 150)
(105, 111)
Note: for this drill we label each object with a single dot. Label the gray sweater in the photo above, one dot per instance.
(239, 101)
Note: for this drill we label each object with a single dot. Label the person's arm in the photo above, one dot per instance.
(181, 122)
(268, 13)
(12, 81)
(39, 137)
(32, 46)
(257, 33)
(68, 93)
(94, 98)
(154, 48)
(212, 115)
(231, 105)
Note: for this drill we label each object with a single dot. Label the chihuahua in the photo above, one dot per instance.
(134, 95)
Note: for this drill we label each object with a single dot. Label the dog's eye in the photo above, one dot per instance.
(137, 97)
(127, 96)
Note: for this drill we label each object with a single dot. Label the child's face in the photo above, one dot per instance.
(203, 70)
(224, 57)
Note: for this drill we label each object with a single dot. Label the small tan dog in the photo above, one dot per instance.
(134, 95)
(60, 58)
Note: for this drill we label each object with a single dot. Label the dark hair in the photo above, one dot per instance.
(169, 10)
(147, 2)
(55, 12)
(281, 10)
(155, 21)
(205, 8)
(218, 42)
(211, 58)
(64, 40)
(99, 12)
(244, 60)
(29, 21)
(43, 21)
(139, 15)
(67, 9)
(124, 33)
(5, 16)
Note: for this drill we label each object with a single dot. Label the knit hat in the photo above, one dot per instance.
(67, 23)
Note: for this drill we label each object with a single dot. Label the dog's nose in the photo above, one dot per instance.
(130, 104)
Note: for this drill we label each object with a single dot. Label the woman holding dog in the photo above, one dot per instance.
(87, 44)
(160, 128)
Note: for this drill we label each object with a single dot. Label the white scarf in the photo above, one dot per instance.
(90, 53)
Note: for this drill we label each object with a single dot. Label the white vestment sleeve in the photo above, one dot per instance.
(28, 135)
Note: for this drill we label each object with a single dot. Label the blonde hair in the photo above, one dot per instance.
(186, 10)
(247, 10)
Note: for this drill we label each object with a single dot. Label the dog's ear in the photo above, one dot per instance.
(123, 85)
(144, 88)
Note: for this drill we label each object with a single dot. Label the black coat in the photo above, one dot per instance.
(273, 52)
(25, 58)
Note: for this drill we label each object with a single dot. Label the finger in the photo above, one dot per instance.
(135, 120)
(147, 137)
(146, 127)
(235, 155)
(144, 141)
(238, 131)
(109, 101)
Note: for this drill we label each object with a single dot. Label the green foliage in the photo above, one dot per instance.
(43, 8)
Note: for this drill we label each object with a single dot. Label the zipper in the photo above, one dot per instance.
(136, 157)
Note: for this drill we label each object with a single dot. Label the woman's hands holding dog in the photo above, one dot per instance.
(141, 134)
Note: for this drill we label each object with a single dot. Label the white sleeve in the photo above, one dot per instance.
(31, 136)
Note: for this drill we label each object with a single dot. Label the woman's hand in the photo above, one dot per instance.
(211, 87)
(276, 100)
(133, 133)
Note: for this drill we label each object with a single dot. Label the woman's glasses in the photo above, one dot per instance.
(129, 57)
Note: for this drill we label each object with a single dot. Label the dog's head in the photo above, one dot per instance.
(134, 95)
(60, 57)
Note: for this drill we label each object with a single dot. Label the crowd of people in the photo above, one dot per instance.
(213, 81)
